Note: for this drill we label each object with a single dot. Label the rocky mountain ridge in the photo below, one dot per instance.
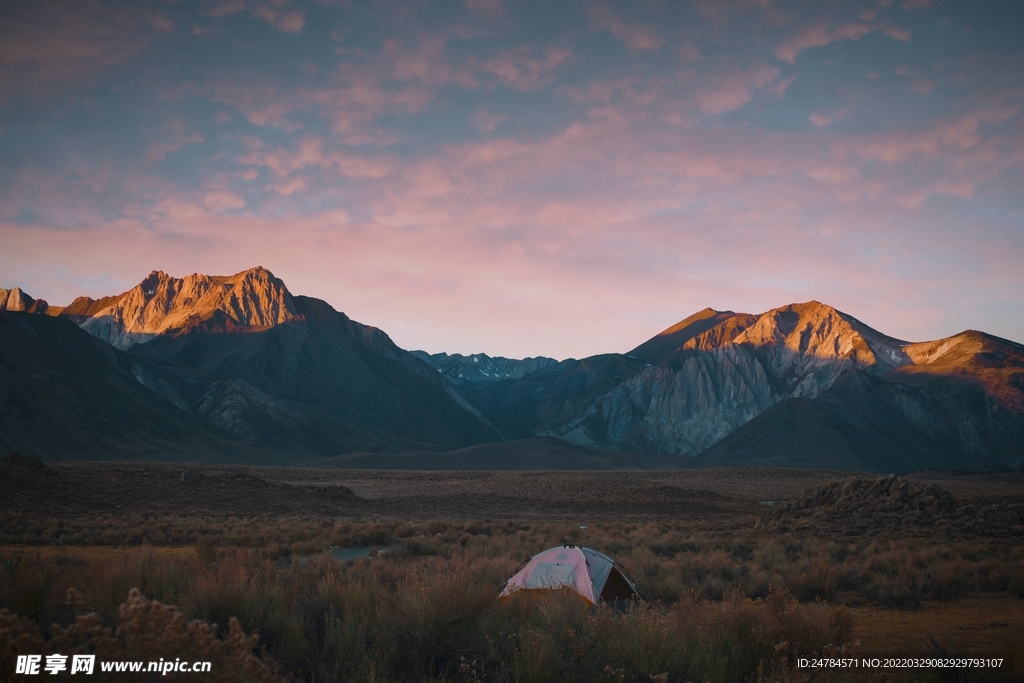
(710, 385)
(163, 305)
(799, 385)
(480, 367)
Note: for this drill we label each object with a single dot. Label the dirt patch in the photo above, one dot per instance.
(978, 626)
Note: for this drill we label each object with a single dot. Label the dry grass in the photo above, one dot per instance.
(145, 630)
(724, 607)
(412, 619)
(668, 559)
(990, 623)
(728, 602)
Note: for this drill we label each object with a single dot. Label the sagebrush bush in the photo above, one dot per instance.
(147, 631)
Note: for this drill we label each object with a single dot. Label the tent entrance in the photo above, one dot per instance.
(616, 588)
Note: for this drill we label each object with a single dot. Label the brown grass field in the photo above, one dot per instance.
(146, 549)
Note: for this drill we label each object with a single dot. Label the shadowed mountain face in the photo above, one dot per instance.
(310, 380)
(67, 395)
(238, 365)
(882, 424)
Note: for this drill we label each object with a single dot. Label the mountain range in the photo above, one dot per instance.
(237, 368)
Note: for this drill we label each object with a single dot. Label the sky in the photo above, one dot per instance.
(543, 178)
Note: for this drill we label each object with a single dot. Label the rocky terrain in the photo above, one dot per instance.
(861, 504)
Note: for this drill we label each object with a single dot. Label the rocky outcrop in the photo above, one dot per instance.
(17, 300)
(163, 305)
(890, 498)
(863, 504)
(14, 300)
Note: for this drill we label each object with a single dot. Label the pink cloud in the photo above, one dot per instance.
(424, 61)
(310, 154)
(964, 190)
(160, 150)
(819, 120)
(289, 21)
(486, 120)
(731, 91)
(820, 34)
(633, 36)
(274, 13)
(954, 135)
(223, 201)
(520, 69)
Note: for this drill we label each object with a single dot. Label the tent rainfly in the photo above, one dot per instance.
(593, 575)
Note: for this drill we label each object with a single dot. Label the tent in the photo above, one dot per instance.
(593, 575)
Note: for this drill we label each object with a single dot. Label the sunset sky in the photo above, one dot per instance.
(547, 178)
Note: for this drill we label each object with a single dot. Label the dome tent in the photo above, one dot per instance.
(593, 575)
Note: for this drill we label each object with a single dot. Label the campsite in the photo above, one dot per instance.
(734, 585)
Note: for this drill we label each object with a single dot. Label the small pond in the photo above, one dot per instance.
(346, 554)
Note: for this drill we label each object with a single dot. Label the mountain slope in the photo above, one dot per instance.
(705, 376)
(542, 402)
(67, 395)
(780, 388)
(887, 424)
(662, 345)
(308, 380)
(286, 376)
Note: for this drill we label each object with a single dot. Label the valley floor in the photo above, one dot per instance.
(226, 541)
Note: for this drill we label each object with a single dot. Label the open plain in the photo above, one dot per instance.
(812, 561)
